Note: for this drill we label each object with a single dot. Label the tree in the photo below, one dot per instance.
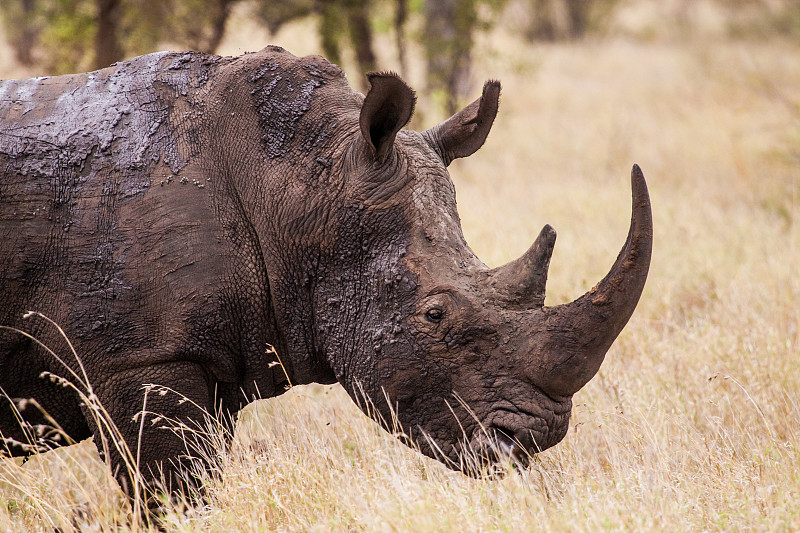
(400, 17)
(107, 48)
(197, 24)
(276, 13)
(448, 39)
(70, 35)
(22, 28)
(346, 17)
(553, 20)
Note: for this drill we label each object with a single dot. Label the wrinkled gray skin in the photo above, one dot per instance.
(176, 214)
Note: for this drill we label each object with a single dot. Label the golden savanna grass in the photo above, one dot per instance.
(693, 422)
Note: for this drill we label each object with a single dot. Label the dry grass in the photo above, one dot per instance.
(693, 423)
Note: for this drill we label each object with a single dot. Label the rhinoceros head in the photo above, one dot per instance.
(444, 350)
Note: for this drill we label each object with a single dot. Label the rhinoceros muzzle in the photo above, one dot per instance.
(519, 431)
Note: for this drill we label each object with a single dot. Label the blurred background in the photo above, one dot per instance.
(50, 37)
(693, 422)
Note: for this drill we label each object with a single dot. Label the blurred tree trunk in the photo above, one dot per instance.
(578, 17)
(107, 45)
(28, 35)
(352, 16)
(401, 14)
(448, 39)
(542, 26)
(330, 29)
(221, 12)
(361, 34)
(23, 27)
(553, 20)
(276, 13)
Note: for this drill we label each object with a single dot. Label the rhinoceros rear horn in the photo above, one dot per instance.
(521, 283)
(387, 107)
(462, 134)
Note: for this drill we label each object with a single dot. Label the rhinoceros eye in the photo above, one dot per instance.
(434, 315)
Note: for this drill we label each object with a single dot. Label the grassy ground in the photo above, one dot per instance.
(693, 422)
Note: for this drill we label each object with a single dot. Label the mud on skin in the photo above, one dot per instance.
(176, 214)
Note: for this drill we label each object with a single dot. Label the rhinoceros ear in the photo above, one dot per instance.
(387, 108)
(462, 134)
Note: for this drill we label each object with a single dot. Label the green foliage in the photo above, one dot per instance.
(144, 24)
(449, 35)
(197, 24)
(63, 33)
(56, 34)
(67, 34)
(60, 36)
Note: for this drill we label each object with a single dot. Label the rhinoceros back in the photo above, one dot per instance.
(72, 149)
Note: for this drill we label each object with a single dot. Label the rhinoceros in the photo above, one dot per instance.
(179, 214)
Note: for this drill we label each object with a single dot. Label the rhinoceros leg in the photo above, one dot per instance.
(176, 399)
(53, 419)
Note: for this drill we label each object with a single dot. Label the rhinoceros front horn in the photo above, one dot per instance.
(568, 342)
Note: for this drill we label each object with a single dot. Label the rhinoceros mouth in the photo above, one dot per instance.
(516, 435)
(497, 444)
(492, 451)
